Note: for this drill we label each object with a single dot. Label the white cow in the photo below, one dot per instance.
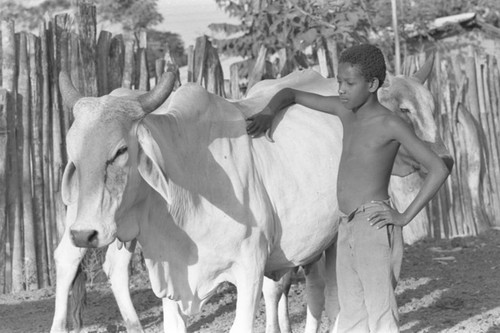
(207, 203)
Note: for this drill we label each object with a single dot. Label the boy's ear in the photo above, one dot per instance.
(374, 84)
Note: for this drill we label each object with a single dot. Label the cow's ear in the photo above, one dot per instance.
(69, 184)
(149, 160)
(387, 81)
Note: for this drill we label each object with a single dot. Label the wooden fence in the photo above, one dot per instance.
(33, 125)
(465, 86)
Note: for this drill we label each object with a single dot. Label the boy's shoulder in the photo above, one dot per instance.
(389, 121)
(383, 115)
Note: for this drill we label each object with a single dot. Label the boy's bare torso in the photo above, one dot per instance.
(368, 154)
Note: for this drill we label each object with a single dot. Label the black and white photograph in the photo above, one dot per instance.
(250, 166)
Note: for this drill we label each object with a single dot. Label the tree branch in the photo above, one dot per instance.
(318, 20)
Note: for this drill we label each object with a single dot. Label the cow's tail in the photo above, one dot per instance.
(78, 298)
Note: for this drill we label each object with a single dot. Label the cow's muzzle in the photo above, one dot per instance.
(84, 238)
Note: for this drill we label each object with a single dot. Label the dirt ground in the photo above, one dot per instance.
(446, 286)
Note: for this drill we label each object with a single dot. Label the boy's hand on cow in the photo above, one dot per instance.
(260, 123)
(387, 216)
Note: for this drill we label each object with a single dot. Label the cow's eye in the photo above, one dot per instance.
(121, 151)
(404, 110)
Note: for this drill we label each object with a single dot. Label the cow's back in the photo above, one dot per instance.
(299, 170)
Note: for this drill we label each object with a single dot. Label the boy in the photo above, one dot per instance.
(369, 247)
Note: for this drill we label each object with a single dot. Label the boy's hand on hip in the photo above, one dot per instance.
(386, 216)
(260, 123)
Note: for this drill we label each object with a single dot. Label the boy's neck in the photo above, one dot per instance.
(368, 106)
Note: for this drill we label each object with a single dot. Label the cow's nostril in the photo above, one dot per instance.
(84, 238)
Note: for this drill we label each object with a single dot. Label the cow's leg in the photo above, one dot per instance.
(116, 268)
(283, 314)
(249, 275)
(332, 306)
(315, 295)
(173, 320)
(272, 294)
(67, 258)
(276, 299)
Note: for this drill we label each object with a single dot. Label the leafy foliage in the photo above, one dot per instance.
(290, 24)
(296, 24)
(159, 41)
(420, 13)
(131, 14)
(28, 18)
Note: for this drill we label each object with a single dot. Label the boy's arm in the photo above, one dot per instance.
(262, 121)
(436, 168)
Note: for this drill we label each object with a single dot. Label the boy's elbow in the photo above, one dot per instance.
(444, 169)
(440, 169)
(448, 162)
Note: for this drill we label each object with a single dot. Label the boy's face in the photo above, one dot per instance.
(354, 89)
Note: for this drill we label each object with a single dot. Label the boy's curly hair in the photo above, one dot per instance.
(369, 60)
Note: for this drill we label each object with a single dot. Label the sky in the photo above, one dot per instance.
(190, 18)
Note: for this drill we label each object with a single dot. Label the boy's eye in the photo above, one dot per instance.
(404, 110)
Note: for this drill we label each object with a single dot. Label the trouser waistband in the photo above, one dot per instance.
(363, 207)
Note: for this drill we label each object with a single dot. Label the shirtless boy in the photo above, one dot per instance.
(369, 247)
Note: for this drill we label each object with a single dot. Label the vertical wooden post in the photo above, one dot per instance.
(159, 69)
(61, 52)
(24, 93)
(325, 58)
(50, 225)
(323, 62)
(171, 65)
(87, 29)
(4, 228)
(9, 80)
(103, 45)
(215, 76)
(129, 65)
(36, 146)
(143, 62)
(58, 150)
(397, 52)
(76, 68)
(116, 62)
(472, 98)
(199, 60)
(258, 69)
(489, 122)
(334, 55)
(190, 66)
(235, 81)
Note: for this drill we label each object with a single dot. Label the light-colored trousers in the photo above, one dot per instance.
(368, 266)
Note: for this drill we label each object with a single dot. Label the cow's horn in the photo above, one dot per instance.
(152, 100)
(68, 91)
(423, 73)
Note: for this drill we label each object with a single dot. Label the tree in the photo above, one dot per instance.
(131, 14)
(296, 24)
(29, 17)
(291, 24)
(159, 42)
